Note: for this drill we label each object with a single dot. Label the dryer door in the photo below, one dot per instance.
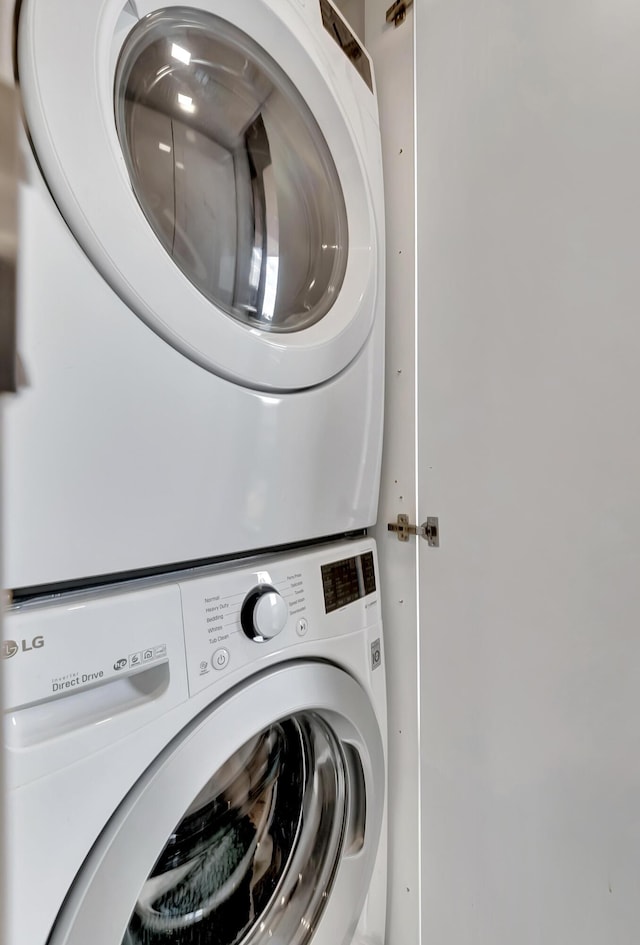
(259, 824)
(214, 168)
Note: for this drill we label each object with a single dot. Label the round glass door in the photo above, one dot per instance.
(231, 169)
(227, 184)
(254, 857)
(258, 824)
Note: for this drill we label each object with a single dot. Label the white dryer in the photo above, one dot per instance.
(201, 761)
(201, 291)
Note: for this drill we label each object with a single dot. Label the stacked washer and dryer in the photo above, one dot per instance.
(194, 661)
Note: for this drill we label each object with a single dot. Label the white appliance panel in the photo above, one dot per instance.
(125, 452)
(82, 761)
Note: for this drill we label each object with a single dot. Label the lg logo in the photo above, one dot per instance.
(11, 647)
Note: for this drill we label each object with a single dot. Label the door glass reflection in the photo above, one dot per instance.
(231, 169)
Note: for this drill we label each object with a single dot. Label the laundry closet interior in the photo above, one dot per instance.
(194, 658)
(320, 485)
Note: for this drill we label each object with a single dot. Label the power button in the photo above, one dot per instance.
(220, 658)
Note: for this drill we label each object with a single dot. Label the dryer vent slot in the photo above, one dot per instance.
(30, 725)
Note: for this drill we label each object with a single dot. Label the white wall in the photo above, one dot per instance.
(392, 53)
(528, 143)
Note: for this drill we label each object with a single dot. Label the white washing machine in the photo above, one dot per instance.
(201, 289)
(201, 761)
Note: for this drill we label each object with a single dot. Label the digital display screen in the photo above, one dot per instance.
(337, 28)
(348, 580)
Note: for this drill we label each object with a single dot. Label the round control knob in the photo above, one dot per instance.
(264, 613)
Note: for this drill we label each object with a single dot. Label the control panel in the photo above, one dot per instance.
(221, 620)
(232, 619)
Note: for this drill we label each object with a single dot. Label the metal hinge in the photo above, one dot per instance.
(429, 530)
(397, 12)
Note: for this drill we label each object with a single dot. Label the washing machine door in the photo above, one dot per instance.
(212, 163)
(259, 824)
